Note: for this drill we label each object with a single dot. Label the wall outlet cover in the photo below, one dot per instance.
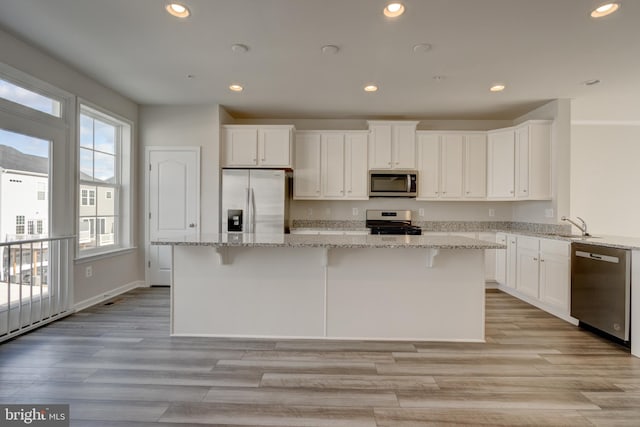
(355, 211)
(88, 271)
(492, 212)
(548, 213)
(421, 212)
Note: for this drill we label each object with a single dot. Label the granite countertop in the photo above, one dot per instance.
(330, 241)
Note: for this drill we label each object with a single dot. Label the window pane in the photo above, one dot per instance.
(87, 233)
(105, 137)
(24, 162)
(105, 167)
(30, 99)
(106, 204)
(105, 227)
(86, 164)
(86, 131)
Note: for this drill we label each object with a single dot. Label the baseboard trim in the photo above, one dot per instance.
(79, 306)
(539, 304)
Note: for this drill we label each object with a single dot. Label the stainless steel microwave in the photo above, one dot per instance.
(393, 183)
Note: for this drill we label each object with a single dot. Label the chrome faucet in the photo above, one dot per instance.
(582, 227)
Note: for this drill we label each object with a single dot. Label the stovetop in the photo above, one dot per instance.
(391, 223)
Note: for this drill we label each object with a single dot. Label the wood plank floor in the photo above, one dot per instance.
(116, 366)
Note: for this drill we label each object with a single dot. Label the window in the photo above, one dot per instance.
(20, 224)
(104, 162)
(31, 227)
(87, 197)
(40, 191)
(25, 97)
(39, 227)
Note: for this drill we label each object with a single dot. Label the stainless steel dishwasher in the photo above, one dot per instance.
(601, 288)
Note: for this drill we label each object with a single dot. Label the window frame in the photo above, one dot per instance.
(121, 189)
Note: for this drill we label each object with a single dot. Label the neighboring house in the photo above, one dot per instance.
(24, 209)
(97, 210)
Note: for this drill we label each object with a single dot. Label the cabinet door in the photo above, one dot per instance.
(452, 155)
(428, 166)
(489, 257)
(555, 273)
(501, 165)
(528, 266)
(501, 260)
(555, 280)
(522, 162)
(241, 147)
(380, 147)
(275, 147)
(355, 166)
(512, 261)
(306, 175)
(475, 167)
(404, 146)
(540, 161)
(333, 165)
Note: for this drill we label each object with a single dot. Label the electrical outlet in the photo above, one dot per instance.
(492, 212)
(421, 212)
(88, 271)
(548, 213)
(309, 212)
(355, 211)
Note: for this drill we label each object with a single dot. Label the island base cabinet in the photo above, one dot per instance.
(344, 293)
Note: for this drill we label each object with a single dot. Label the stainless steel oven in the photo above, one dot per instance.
(393, 183)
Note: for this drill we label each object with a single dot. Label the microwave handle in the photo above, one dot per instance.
(408, 183)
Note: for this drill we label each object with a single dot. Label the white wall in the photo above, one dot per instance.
(196, 125)
(109, 272)
(605, 177)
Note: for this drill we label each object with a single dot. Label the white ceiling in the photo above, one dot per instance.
(541, 49)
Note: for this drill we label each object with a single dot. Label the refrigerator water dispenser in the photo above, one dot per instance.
(234, 220)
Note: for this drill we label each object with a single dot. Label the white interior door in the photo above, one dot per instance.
(173, 202)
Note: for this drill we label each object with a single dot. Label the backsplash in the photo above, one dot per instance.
(445, 226)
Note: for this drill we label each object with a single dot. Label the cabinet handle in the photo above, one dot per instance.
(535, 259)
(255, 159)
(397, 163)
(511, 192)
(349, 191)
(389, 163)
(541, 260)
(468, 192)
(524, 191)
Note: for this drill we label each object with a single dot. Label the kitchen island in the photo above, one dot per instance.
(326, 286)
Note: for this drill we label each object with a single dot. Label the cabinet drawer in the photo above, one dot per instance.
(525, 242)
(556, 247)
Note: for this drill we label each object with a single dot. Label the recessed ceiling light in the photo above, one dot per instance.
(370, 88)
(329, 49)
(240, 48)
(497, 88)
(591, 82)
(604, 10)
(422, 48)
(178, 10)
(393, 10)
(236, 88)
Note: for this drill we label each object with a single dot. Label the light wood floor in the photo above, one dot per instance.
(116, 366)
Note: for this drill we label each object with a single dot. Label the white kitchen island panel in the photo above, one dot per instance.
(270, 292)
(391, 294)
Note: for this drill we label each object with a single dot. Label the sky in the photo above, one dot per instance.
(97, 139)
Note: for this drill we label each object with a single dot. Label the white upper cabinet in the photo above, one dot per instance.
(258, 146)
(519, 162)
(451, 165)
(307, 178)
(330, 165)
(533, 166)
(501, 164)
(392, 145)
(475, 166)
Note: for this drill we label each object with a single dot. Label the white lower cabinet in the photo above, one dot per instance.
(540, 270)
(555, 273)
(489, 257)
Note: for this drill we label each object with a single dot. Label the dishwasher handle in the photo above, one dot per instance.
(598, 257)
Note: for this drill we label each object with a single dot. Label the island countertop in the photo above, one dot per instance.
(328, 241)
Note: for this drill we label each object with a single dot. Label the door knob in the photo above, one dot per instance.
(192, 225)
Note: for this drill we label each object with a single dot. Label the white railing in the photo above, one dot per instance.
(35, 283)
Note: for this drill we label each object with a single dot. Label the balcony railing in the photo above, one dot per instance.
(35, 283)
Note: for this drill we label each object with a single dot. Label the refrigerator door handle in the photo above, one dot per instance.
(253, 211)
(247, 212)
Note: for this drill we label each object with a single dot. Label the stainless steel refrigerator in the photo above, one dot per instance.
(255, 201)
